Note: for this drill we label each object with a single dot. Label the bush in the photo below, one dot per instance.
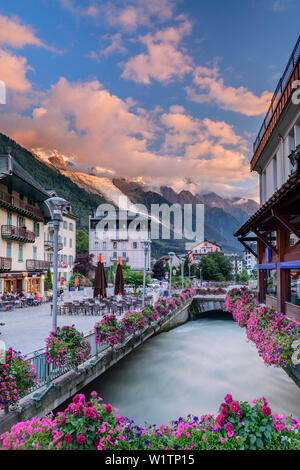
(17, 376)
(109, 331)
(67, 347)
(272, 333)
(88, 425)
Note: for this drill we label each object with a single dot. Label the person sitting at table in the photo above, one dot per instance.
(37, 299)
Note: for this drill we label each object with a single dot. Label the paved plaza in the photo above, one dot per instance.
(25, 329)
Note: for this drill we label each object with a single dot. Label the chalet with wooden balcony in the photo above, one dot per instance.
(23, 214)
(275, 227)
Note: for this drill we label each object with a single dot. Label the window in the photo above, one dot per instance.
(65, 225)
(20, 221)
(71, 227)
(20, 252)
(104, 245)
(275, 173)
(272, 282)
(96, 245)
(115, 245)
(264, 186)
(294, 297)
(134, 245)
(34, 252)
(8, 250)
(9, 219)
(71, 242)
(65, 241)
(36, 229)
(124, 255)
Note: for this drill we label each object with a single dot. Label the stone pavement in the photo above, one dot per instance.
(25, 329)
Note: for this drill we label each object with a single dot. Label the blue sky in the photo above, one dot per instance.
(168, 91)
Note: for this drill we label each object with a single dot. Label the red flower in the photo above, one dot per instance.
(228, 398)
(108, 409)
(224, 412)
(234, 406)
(266, 410)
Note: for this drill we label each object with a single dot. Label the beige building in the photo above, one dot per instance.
(66, 245)
(26, 241)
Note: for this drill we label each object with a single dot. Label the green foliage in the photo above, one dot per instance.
(72, 280)
(48, 281)
(82, 242)
(244, 276)
(215, 267)
(134, 278)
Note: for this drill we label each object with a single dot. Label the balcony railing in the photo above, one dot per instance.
(123, 258)
(281, 95)
(17, 233)
(5, 264)
(37, 265)
(49, 245)
(20, 206)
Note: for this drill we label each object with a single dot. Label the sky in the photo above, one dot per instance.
(167, 91)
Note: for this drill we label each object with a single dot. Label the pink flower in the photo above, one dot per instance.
(222, 440)
(228, 398)
(68, 439)
(80, 439)
(266, 410)
(234, 406)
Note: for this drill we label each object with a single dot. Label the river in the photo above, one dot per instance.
(189, 370)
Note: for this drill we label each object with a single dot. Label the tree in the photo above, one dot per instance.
(83, 264)
(158, 270)
(215, 267)
(244, 276)
(82, 242)
(48, 281)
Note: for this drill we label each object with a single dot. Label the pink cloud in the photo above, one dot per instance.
(139, 13)
(13, 70)
(240, 99)
(164, 60)
(17, 35)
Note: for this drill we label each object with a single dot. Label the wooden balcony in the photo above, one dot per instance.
(20, 234)
(17, 205)
(5, 264)
(37, 265)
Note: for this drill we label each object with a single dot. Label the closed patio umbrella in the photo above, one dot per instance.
(119, 281)
(100, 284)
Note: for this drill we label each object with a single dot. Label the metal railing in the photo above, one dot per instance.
(46, 373)
(49, 245)
(5, 263)
(17, 233)
(278, 93)
(15, 202)
(37, 265)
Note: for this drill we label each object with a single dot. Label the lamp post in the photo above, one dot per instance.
(201, 277)
(146, 244)
(171, 254)
(182, 257)
(56, 206)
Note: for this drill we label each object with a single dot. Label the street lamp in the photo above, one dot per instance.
(146, 245)
(171, 254)
(182, 258)
(56, 205)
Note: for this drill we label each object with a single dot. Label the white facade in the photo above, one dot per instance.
(277, 167)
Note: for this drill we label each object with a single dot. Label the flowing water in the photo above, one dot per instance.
(189, 370)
